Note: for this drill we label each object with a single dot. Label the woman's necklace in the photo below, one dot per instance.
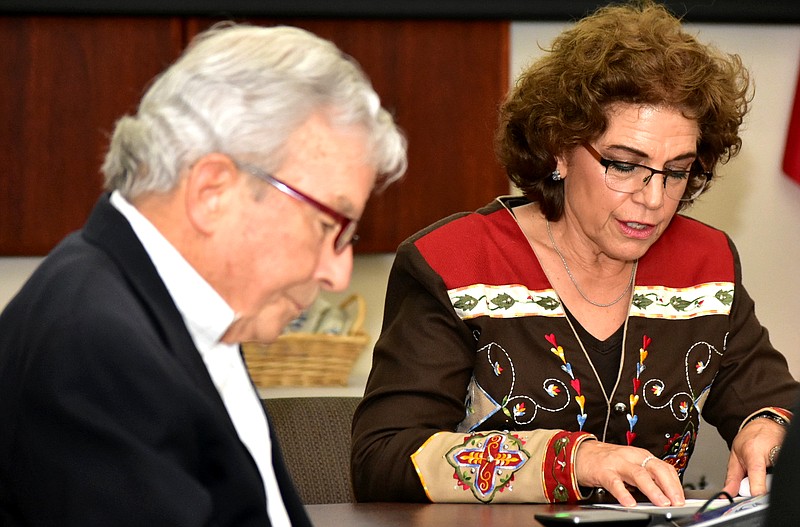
(575, 283)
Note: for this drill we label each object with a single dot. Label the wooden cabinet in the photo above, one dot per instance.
(65, 82)
(67, 79)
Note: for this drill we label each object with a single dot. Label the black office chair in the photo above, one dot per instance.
(307, 425)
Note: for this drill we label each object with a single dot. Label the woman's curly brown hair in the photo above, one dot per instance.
(633, 53)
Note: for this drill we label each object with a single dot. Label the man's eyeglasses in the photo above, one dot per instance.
(681, 185)
(347, 226)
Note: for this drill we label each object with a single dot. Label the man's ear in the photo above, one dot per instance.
(210, 182)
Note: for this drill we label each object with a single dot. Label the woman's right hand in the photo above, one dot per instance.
(615, 468)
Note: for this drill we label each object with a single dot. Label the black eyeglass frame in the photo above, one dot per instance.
(694, 171)
(347, 226)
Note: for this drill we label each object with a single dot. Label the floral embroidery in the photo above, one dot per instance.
(486, 463)
(574, 381)
(676, 302)
(560, 493)
(682, 403)
(552, 390)
(681, 400)
(522, 409)
(679, 303)
(678, 448)
(468, 302)
(503, 301)
(725, 297)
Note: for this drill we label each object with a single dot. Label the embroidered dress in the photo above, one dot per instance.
(481, 389)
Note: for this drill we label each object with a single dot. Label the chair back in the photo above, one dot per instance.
(314, 434)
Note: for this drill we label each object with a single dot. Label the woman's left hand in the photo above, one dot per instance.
(750, 455)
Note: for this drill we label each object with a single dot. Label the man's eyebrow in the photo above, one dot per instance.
(343, 205)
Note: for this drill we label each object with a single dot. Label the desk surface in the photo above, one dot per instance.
(427, 515)
(441, 514)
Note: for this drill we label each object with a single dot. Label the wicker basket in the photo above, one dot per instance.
(308, 359)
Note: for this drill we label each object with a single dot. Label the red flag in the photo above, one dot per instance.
(791, 156)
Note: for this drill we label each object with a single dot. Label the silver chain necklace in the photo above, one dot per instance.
(575, 283)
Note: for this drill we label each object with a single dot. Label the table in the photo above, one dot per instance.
(444, 514)
(428, 514)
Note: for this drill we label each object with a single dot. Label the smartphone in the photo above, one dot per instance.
(590, 517)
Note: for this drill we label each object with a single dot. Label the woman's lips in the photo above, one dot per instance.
(634, 229)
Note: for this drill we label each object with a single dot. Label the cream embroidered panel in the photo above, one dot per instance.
(515, 300)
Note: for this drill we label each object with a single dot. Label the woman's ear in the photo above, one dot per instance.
(210, 182)
(561, 166)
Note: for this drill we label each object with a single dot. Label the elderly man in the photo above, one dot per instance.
(234, 195)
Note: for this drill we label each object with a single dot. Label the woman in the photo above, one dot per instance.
(568, 340)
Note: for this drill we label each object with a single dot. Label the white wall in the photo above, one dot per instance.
(753, 201)
(13, 272)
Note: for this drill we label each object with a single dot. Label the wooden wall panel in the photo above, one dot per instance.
(70, 78)
(65, 82)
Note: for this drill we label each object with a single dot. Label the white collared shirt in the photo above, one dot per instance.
(207, 317)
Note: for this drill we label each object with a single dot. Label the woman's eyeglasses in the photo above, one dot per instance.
(630, 178)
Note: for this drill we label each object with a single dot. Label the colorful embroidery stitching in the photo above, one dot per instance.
(676, 303)
(678, 448)
(503, 301)
(558, 479)
(486, 463)
(560, 448)
(633, 398)
(682, 403)
(522, 409)
(574, 381)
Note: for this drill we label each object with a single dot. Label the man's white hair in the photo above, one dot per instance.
(241, 90)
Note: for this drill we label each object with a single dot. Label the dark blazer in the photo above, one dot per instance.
(108, 415)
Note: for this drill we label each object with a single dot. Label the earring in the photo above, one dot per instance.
(555, 175)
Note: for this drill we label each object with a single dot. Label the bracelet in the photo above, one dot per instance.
(768, 415)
